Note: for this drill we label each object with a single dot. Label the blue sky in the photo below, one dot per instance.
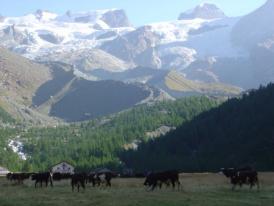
(139, 11)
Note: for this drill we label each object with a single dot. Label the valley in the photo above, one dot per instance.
(192, 93)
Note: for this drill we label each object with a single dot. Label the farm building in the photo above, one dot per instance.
(3, 171)
(63, 168)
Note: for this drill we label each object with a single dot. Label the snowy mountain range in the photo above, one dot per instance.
(203, 45)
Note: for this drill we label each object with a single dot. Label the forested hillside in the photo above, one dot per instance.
(239, 132)
(8, 158)
(98, 143)
(5, 117)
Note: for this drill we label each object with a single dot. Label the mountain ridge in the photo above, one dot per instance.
(90, 44)
(204, 11)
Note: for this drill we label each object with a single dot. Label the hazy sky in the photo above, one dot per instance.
(139, 11)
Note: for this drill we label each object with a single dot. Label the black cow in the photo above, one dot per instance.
(167, 177)
(78, 180)
(42, 177)
(18, 177)
(241, 176)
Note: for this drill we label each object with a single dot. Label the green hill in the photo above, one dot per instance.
(99, 142)
(239, 132)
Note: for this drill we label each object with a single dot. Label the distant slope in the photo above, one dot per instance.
(86, 99)
(239, 132)
(255, 28)
(19, 79)
(62, 74)
(177, 82)
(172, 82)
(72, 98)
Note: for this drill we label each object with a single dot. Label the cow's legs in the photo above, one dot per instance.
(108, 183)
(83, 185)
(153, 186)
(179, 184)
(160, 185)
(173, 184)
(233, 187)
(51, 183)
(257, 183)
(251, 185)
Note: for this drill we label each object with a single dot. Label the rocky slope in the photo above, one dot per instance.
(47, 92)
(19, 79)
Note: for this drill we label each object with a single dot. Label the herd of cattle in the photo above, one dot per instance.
(240, 176)
(77, 180)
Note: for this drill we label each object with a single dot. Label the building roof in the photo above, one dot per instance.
(2, 169)
(61, 163)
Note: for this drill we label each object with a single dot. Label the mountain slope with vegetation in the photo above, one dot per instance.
(99, 142)
(239, 132)
(5, 117)
(177, 82)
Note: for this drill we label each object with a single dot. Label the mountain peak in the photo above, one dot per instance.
(203, 11)
(116, 18)
(112, 17)
(43, 15)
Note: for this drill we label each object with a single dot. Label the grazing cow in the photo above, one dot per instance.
(167, 177)
(42, 177)
(105, 178)
(19, 177)
(98, 179)
(94, 179)
(78, 180)
(241, 176)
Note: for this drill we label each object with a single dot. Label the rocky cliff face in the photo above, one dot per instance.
(116, 18)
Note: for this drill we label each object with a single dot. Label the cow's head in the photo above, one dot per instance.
(228, 172)
(148, 180)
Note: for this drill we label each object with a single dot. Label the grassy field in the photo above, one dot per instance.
(197, 190)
